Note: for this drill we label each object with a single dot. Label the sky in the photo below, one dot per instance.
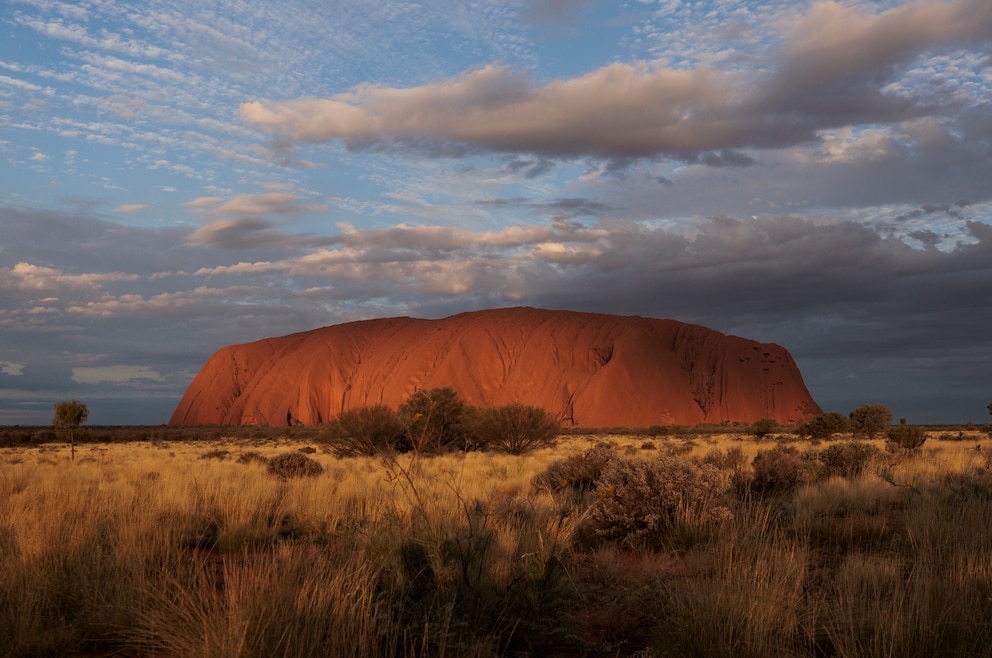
(181, 175)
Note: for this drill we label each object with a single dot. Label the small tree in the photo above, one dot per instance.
(434, 420)
(869, 420)
(68, 416)
(516, 428)
(907, 437)
(825, 426)
(367, 431)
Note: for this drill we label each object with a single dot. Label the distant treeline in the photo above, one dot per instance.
(20, 435)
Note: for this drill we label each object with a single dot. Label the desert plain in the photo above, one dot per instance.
(671, 542)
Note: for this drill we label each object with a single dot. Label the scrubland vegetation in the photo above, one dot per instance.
(677, 544)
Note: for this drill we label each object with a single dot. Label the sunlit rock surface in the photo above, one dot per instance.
(590, 370)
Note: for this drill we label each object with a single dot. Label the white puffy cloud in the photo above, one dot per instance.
(28, 276)
(829, 73)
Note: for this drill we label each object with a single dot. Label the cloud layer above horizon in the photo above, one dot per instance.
(183, 177)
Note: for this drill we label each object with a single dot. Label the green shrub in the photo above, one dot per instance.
(847, 459)
(367, 431)
(869, 420)
(907, 437)
(435, 420)
(294, 464)
(763, 427)
(640, 501)
(825, 426)
(578, 472)
(778, 471)
(515, 428)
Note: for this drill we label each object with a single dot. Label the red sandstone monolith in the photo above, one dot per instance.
(590, 370)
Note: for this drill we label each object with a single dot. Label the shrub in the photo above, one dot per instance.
(642, 500)
(251, 456)
(729, 460)
(763, 427)
(907, 437)
(579, 472)
(516, 428)
(869, 420)
(778, 471)
(825, 426)
(847, 459)
(367, 431)
(434, 420)
(294, 464)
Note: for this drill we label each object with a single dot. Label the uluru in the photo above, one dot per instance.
(588, 369)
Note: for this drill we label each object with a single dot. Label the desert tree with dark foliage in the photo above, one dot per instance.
(870, 420)
(68, 416)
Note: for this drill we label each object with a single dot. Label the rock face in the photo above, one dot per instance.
(590, 370)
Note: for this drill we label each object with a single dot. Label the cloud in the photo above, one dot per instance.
(117, 375)
(59, 29)
(618, 110)
(131, 207)
(554, 11)
(238, 234)
(28, 276)
(277, 203)
(19, 84)
(773, 268)
(785, 171)
(12, 369)
(834, 42)
(831, 72)
(242, 222)
(833, 292)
